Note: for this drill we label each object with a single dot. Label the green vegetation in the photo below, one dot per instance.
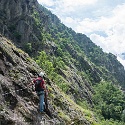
(64, 117)
(44, 63)
(109, 101)
(17, 35)
(93, 65)
(51, 69)
(28, 48)
(12, 29)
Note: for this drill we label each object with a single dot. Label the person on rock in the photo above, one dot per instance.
(40, 89)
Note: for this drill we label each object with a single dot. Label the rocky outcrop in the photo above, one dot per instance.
(16, 71)
(17, 21)
(19, 104)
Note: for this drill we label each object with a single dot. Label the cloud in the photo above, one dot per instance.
(63, 8)
(67, 3)
(77, 3)
(106, 24)
(113, 27)
(46, 2)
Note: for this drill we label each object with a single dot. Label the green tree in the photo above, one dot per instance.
(28, 48)
(44, 63)
(109, 100)
(123, 115)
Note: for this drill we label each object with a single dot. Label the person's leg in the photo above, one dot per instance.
(42, 102)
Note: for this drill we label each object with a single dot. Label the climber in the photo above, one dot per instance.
(40, 89)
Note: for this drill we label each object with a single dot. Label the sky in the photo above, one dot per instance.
(103, 21)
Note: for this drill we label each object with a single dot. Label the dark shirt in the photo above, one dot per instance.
(43, 82)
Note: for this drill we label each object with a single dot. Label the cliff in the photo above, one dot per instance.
(19, 104)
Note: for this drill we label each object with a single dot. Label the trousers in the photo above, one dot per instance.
(41, 98)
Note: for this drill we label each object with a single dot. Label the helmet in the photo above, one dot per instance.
(41, 74)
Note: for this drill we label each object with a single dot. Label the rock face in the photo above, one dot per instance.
(16, 20)
(19, 104)
(16, 106)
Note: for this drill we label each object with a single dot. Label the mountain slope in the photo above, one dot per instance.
(33, 32)
(72, 62)
(19, 103)
(33, 28)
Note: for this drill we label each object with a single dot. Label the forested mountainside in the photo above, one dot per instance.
(81, 76)
(34, 28)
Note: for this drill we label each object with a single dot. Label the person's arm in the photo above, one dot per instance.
(32, 82)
